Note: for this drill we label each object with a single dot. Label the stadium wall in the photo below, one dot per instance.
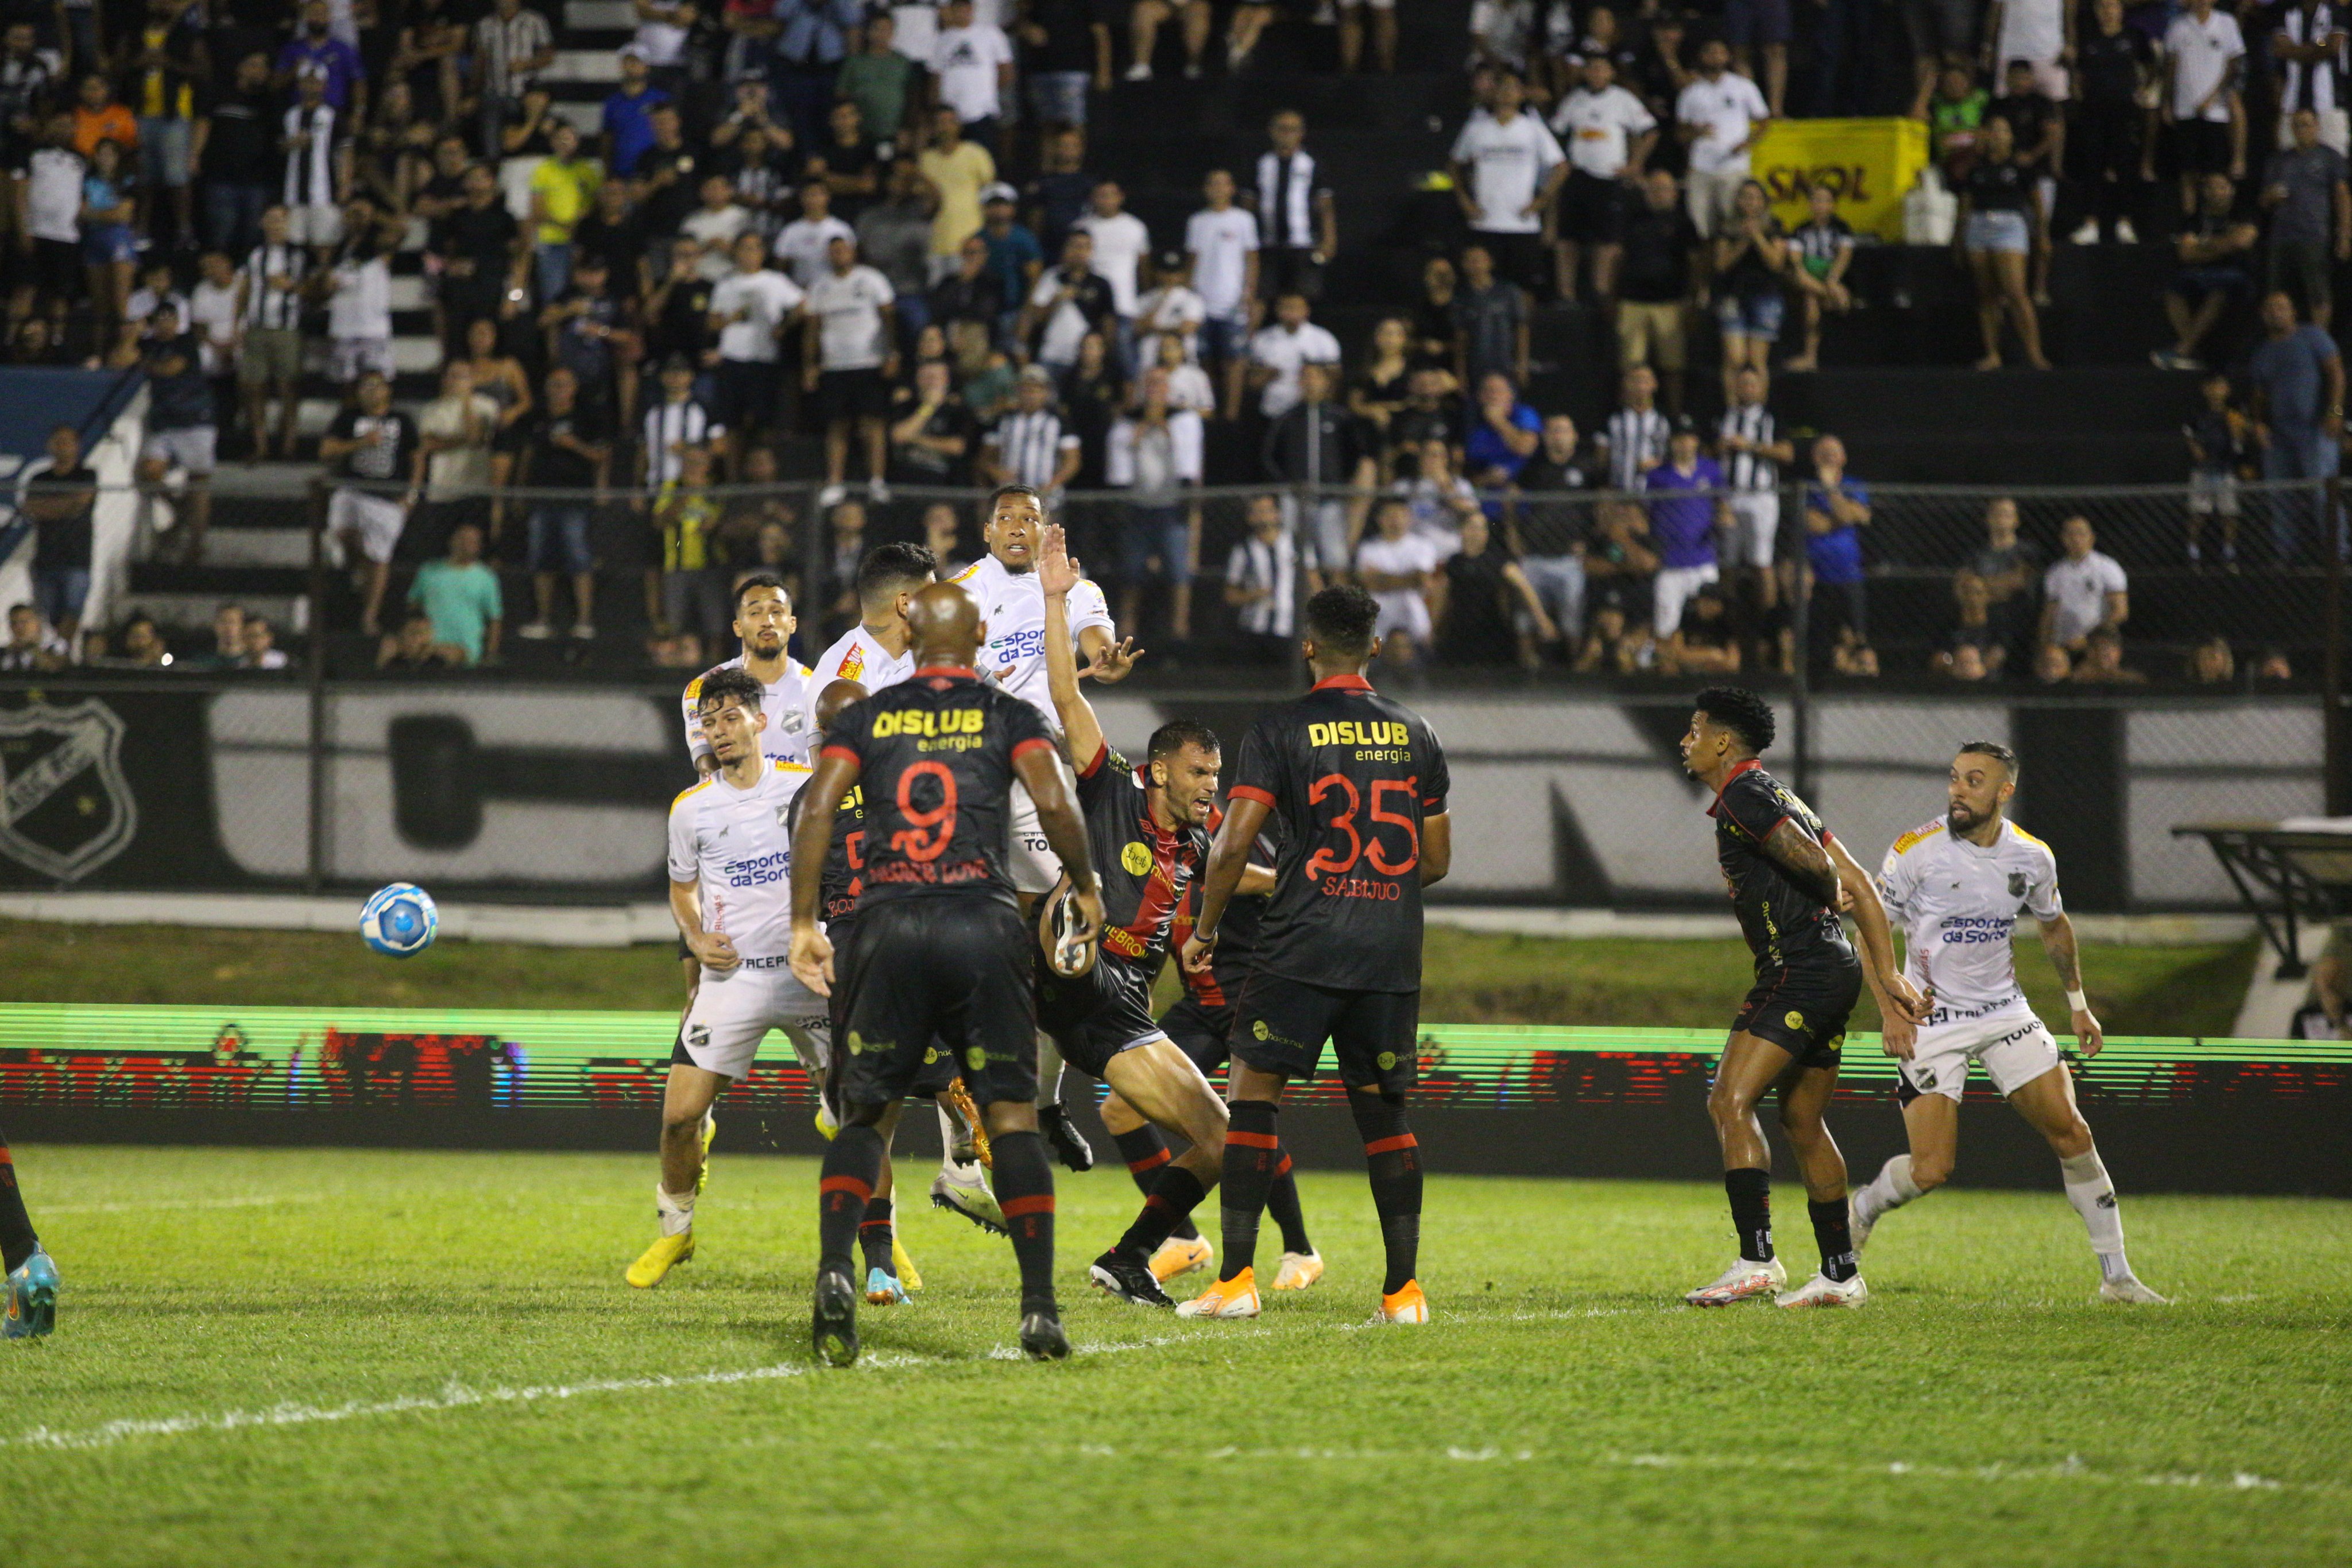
(557, 793)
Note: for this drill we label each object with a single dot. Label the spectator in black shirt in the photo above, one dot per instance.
(593, 335)
(1658, 270)
(667, 173)
(569, 447)
(1057, 198)
(966, 304)
(59, 494)
(2216, 252)
(616, 233)
(1317, 442)
(1433, 319)
(32, 646)
(1064, 46)
(1999, 222)
(1551, 516)
(236, 150)
(931, 432)
(483, 258)
(847, 162)
(1487, 613)
(1430, 413)
(2039, 130)
(2112, 64)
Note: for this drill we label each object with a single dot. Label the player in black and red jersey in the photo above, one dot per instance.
(1360, 784)
(1200, 1021)
(1789, 877)
(938, 969)
(1146, 828)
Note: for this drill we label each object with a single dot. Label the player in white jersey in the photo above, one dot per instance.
(763, 620)
(1956, 887)
(879, 651)
(730, 893)
(1003, 583)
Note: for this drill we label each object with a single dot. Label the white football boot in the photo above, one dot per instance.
(1821, 1291)
(1742, 1280)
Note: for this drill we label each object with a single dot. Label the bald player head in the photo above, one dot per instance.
(833, 699)
(947, 626)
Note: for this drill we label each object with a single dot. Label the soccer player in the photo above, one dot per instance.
(1359, 783)
(763, 620)
(1200, 1022)
(30, 1309)
(1144, 829)
(1958, 887)
(1788, 876)
(730, 867)
(940, 954)
(879, 651)
(1003, 584)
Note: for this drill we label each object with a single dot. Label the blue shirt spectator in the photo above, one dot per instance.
(460, 596)
(628, 113)
(1504, 433)
(1014, 256)
(322, 56)
(1835, 509)
(816, 32)
(2291, 373)
(1682, 516)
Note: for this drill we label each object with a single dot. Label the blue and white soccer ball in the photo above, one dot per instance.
(399, 920)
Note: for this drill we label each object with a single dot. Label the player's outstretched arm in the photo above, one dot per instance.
(1057, 574)
(1066, 831)
(2058, 941)
(1895, 994)
(811, 955)
(1228, 859)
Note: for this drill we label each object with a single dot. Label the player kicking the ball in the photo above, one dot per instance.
(1359, 783)
(730, 891)
(30, 1309)
(1957, 886)
(1788, 877)
(937, 971)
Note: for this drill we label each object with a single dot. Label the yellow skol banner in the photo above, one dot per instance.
(1869, 164)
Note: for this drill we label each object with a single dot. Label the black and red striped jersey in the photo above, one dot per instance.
(1237, 932)
(1352, 775)
(1145, 869)
(935, 756)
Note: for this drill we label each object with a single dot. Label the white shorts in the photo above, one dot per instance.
(733, 1012)
(190, 447)
(314, 224)
(377, 519)
(1033, 865)
(355, 357)
(1759, 515)
(1674, 587)
(2013, 1043)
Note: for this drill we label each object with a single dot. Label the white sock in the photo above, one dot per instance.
(2093, 1198)
(1049, 1071)
(1892, 1188)
(676, 1210)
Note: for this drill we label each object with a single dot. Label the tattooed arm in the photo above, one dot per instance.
(2058, 941)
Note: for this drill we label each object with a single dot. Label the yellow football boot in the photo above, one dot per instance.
(1407, 1305)
(667, 1254)
(1233, 1298)
(1181, 1255)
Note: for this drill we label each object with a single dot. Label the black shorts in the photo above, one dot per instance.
(1803, 1011)
(1288, 270)
(1591, 209)
(58, 267)
(1200, 1033)
(852, 395)
(1280, 1026)
(744, 393)
(1092, 1018)
(936, 985)
(2202, 146)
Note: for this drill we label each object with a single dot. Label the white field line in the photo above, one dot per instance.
(457, 1397)
(258, 1200)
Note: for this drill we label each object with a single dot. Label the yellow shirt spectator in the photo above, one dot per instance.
(561, 193)
(959, 177)
(687, 517)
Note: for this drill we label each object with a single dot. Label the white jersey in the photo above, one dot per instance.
(786, 703)
(735, 843)
(1013, 606)
(855, 656)
(1957, 903)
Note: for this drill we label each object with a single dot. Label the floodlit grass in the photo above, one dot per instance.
(1468, 978)
(327, 1356)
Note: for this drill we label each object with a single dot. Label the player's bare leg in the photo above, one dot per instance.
(1931, 1129)
(1750, 1066)
(687, 1100)
(1159, 1083)
(1804, 1094)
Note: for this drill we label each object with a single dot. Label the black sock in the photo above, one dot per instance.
(1751, 1192)
(1392, 1155)
(1146, 1154)
(1024, 1191)
(1282, 1202)
(853, 1165)
(1836, 1237)
(873, 1234)
(1251, 1151)
(1173, 1200)
(16, 1239)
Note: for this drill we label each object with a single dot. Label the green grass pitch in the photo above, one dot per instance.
(329, 1356)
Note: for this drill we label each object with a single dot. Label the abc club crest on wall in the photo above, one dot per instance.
(65, 808)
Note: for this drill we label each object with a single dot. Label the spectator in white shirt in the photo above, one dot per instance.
(707, 232)
(2040, 33)
(971, 72)
(1122, 244)
(1154, 455)
(749, 310)
(1188, 383)
(1506, 168)
(1397, 566)
(2204, 68)
(1607, 134)
(849, 356)
(1169, 310)
(804, 246)
(1222, 240)
(1277, 353)
(2085, 592)
(1720, 113)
